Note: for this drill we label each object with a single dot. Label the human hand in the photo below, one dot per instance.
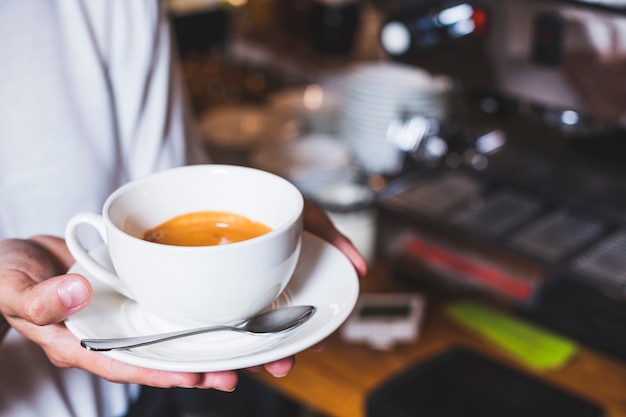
(36, 296)
(318, 223)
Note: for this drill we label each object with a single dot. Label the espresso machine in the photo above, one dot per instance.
(529, 204)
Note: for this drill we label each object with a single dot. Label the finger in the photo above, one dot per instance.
(318, 347)
(318, 223)
(120, 372)
(64, 350)
(356, 258)
(47, 302)
(223, 381)
(281, 368)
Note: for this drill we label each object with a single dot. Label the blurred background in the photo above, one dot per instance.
(474, 152)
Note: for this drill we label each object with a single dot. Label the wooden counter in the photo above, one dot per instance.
(336, 380)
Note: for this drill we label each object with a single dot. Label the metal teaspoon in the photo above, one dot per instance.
(273, 321)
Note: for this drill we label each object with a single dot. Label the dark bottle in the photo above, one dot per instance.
(333, 25)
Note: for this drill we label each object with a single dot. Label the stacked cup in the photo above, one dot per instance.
(376, 96)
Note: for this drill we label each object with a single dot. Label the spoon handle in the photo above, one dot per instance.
(130, 342)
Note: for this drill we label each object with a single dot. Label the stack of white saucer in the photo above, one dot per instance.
(315, 105)
(246, 127)
(377, 96)
(231, 133)
(312, 162)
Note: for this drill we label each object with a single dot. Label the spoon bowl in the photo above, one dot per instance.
(273, 321)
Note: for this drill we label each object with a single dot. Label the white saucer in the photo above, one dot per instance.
(324, 278)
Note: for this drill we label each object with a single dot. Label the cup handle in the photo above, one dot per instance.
(83, 257)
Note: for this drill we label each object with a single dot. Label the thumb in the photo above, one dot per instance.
(352, 253)
(53, 300)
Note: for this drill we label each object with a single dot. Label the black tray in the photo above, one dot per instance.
(463, 383)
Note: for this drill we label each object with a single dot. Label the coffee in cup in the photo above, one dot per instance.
(188, 284)
(205, 228)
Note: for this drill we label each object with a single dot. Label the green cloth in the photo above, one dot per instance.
(538, 348)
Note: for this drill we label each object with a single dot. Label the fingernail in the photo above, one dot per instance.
(73, 293)
(228, 388)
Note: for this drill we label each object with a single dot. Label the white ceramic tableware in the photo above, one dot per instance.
(377, 95)
(316, 105)
(311, 162)
(192, 285)
(324, 278)
(246, 127)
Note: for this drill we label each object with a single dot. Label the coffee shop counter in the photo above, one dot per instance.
(337, 380)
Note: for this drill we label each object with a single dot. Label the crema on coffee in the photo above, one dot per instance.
(205, 228)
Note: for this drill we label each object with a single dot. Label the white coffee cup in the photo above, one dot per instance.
(192, 285)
